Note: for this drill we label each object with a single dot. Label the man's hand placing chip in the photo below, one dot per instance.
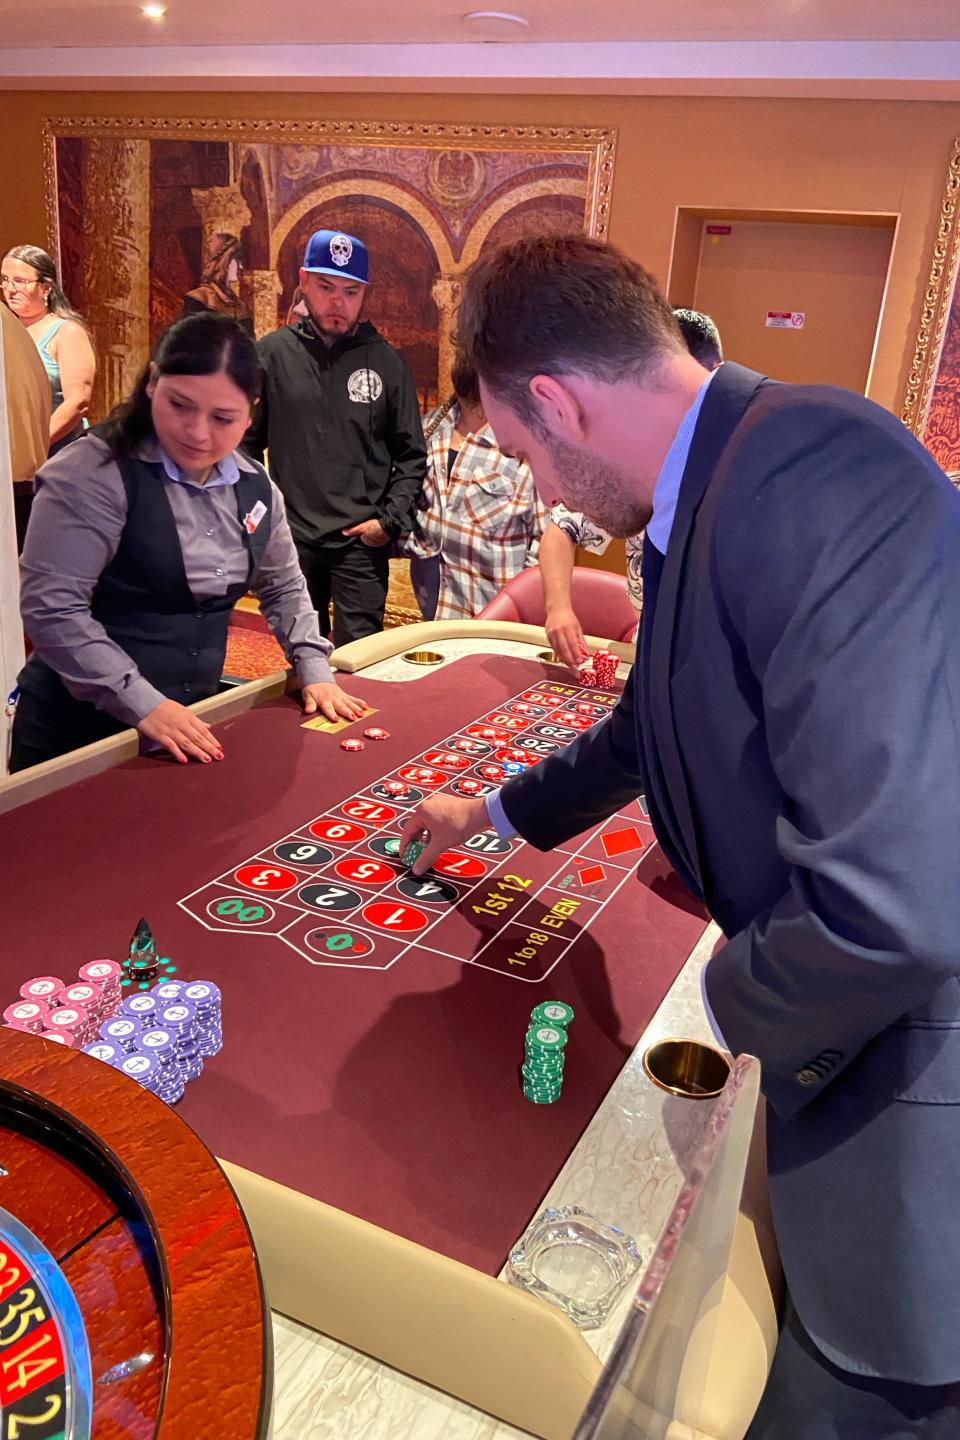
(447, 820)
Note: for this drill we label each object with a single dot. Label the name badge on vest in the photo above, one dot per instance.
(253, 517)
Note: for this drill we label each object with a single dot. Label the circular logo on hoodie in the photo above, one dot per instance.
(364, 386)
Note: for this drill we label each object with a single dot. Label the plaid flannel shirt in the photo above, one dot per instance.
(483, 518)
(585, 533)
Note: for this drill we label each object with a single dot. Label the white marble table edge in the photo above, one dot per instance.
(325, 1390)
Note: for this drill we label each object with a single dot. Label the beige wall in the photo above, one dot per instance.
(713, 154)
(834, 275)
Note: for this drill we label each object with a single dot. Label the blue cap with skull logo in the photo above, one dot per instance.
(331, 252)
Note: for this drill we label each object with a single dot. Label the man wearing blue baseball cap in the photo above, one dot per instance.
(340, 419)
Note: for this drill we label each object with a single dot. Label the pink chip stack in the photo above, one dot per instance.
(45, 989)
(76, 1025)
(68, 1014)
(26, 1015)
(106, 975)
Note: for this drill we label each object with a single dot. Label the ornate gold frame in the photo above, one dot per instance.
(937, 300)
(597, 142)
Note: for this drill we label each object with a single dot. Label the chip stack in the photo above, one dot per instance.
(26, 1015)
(107, 974)
(161, 1045)
(141, 1008)
(205, 996)
(168, 990)
(605, 669)
(45, 989)
(546, 1041)
(542, 1071)
(89, 998)
(145, 1069)
(108, 1051)
(120, 1031)
(73, 1021)
(180, 1018)
(587, 676)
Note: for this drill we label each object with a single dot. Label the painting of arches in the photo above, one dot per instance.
(139, 212)
(148, 203)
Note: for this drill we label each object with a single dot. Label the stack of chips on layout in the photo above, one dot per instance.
(161, 1036)
(601, 671)
(546, 1040)
(69, 1014)
(204, 996)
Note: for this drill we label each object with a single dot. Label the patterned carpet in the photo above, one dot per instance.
(252, 653)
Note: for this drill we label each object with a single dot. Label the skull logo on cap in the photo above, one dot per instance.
(341, 248)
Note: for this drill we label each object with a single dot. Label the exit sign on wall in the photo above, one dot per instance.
(786, 319)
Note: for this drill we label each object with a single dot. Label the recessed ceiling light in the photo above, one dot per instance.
(496, 24)
(154, 11)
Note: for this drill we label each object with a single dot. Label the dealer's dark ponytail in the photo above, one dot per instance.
(203, 344)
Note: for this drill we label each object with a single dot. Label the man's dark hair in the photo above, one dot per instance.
(557, 305)
(702, 337)
(463, 378)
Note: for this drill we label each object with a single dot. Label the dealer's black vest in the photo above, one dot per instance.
(142, 598)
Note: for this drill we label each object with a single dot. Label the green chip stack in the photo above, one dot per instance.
(546, 1039)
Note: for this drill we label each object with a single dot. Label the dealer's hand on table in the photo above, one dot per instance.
(565, 634)
(447, 820)
(331, 701)
(181, 732)
(371, 532)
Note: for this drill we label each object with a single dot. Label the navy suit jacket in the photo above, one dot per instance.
(793, 717)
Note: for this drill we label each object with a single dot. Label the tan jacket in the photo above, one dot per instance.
(28, 397)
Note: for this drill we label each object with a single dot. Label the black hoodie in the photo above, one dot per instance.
(342, 426)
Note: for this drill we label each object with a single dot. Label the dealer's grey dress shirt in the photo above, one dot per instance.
(75, 528)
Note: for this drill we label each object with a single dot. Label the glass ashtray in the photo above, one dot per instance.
(574, 1261)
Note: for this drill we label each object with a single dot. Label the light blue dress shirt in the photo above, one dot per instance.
(665, 494)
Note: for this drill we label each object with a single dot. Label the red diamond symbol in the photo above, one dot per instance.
(592, 875)
(621, 842)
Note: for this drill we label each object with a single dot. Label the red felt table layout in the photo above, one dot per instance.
(373, 1023)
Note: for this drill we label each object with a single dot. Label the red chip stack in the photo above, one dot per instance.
(605, 669)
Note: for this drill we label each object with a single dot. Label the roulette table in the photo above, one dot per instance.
(121, 1246)
(367, 1103)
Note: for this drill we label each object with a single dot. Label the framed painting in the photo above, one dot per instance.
(931, 407)
(145, 212)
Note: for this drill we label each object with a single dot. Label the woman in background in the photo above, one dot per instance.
(28, 280)
(217, 290)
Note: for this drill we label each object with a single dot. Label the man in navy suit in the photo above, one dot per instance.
(793, 718)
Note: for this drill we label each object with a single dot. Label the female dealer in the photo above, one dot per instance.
(143, 536)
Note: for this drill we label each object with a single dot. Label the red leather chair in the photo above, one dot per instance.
(599, 598)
